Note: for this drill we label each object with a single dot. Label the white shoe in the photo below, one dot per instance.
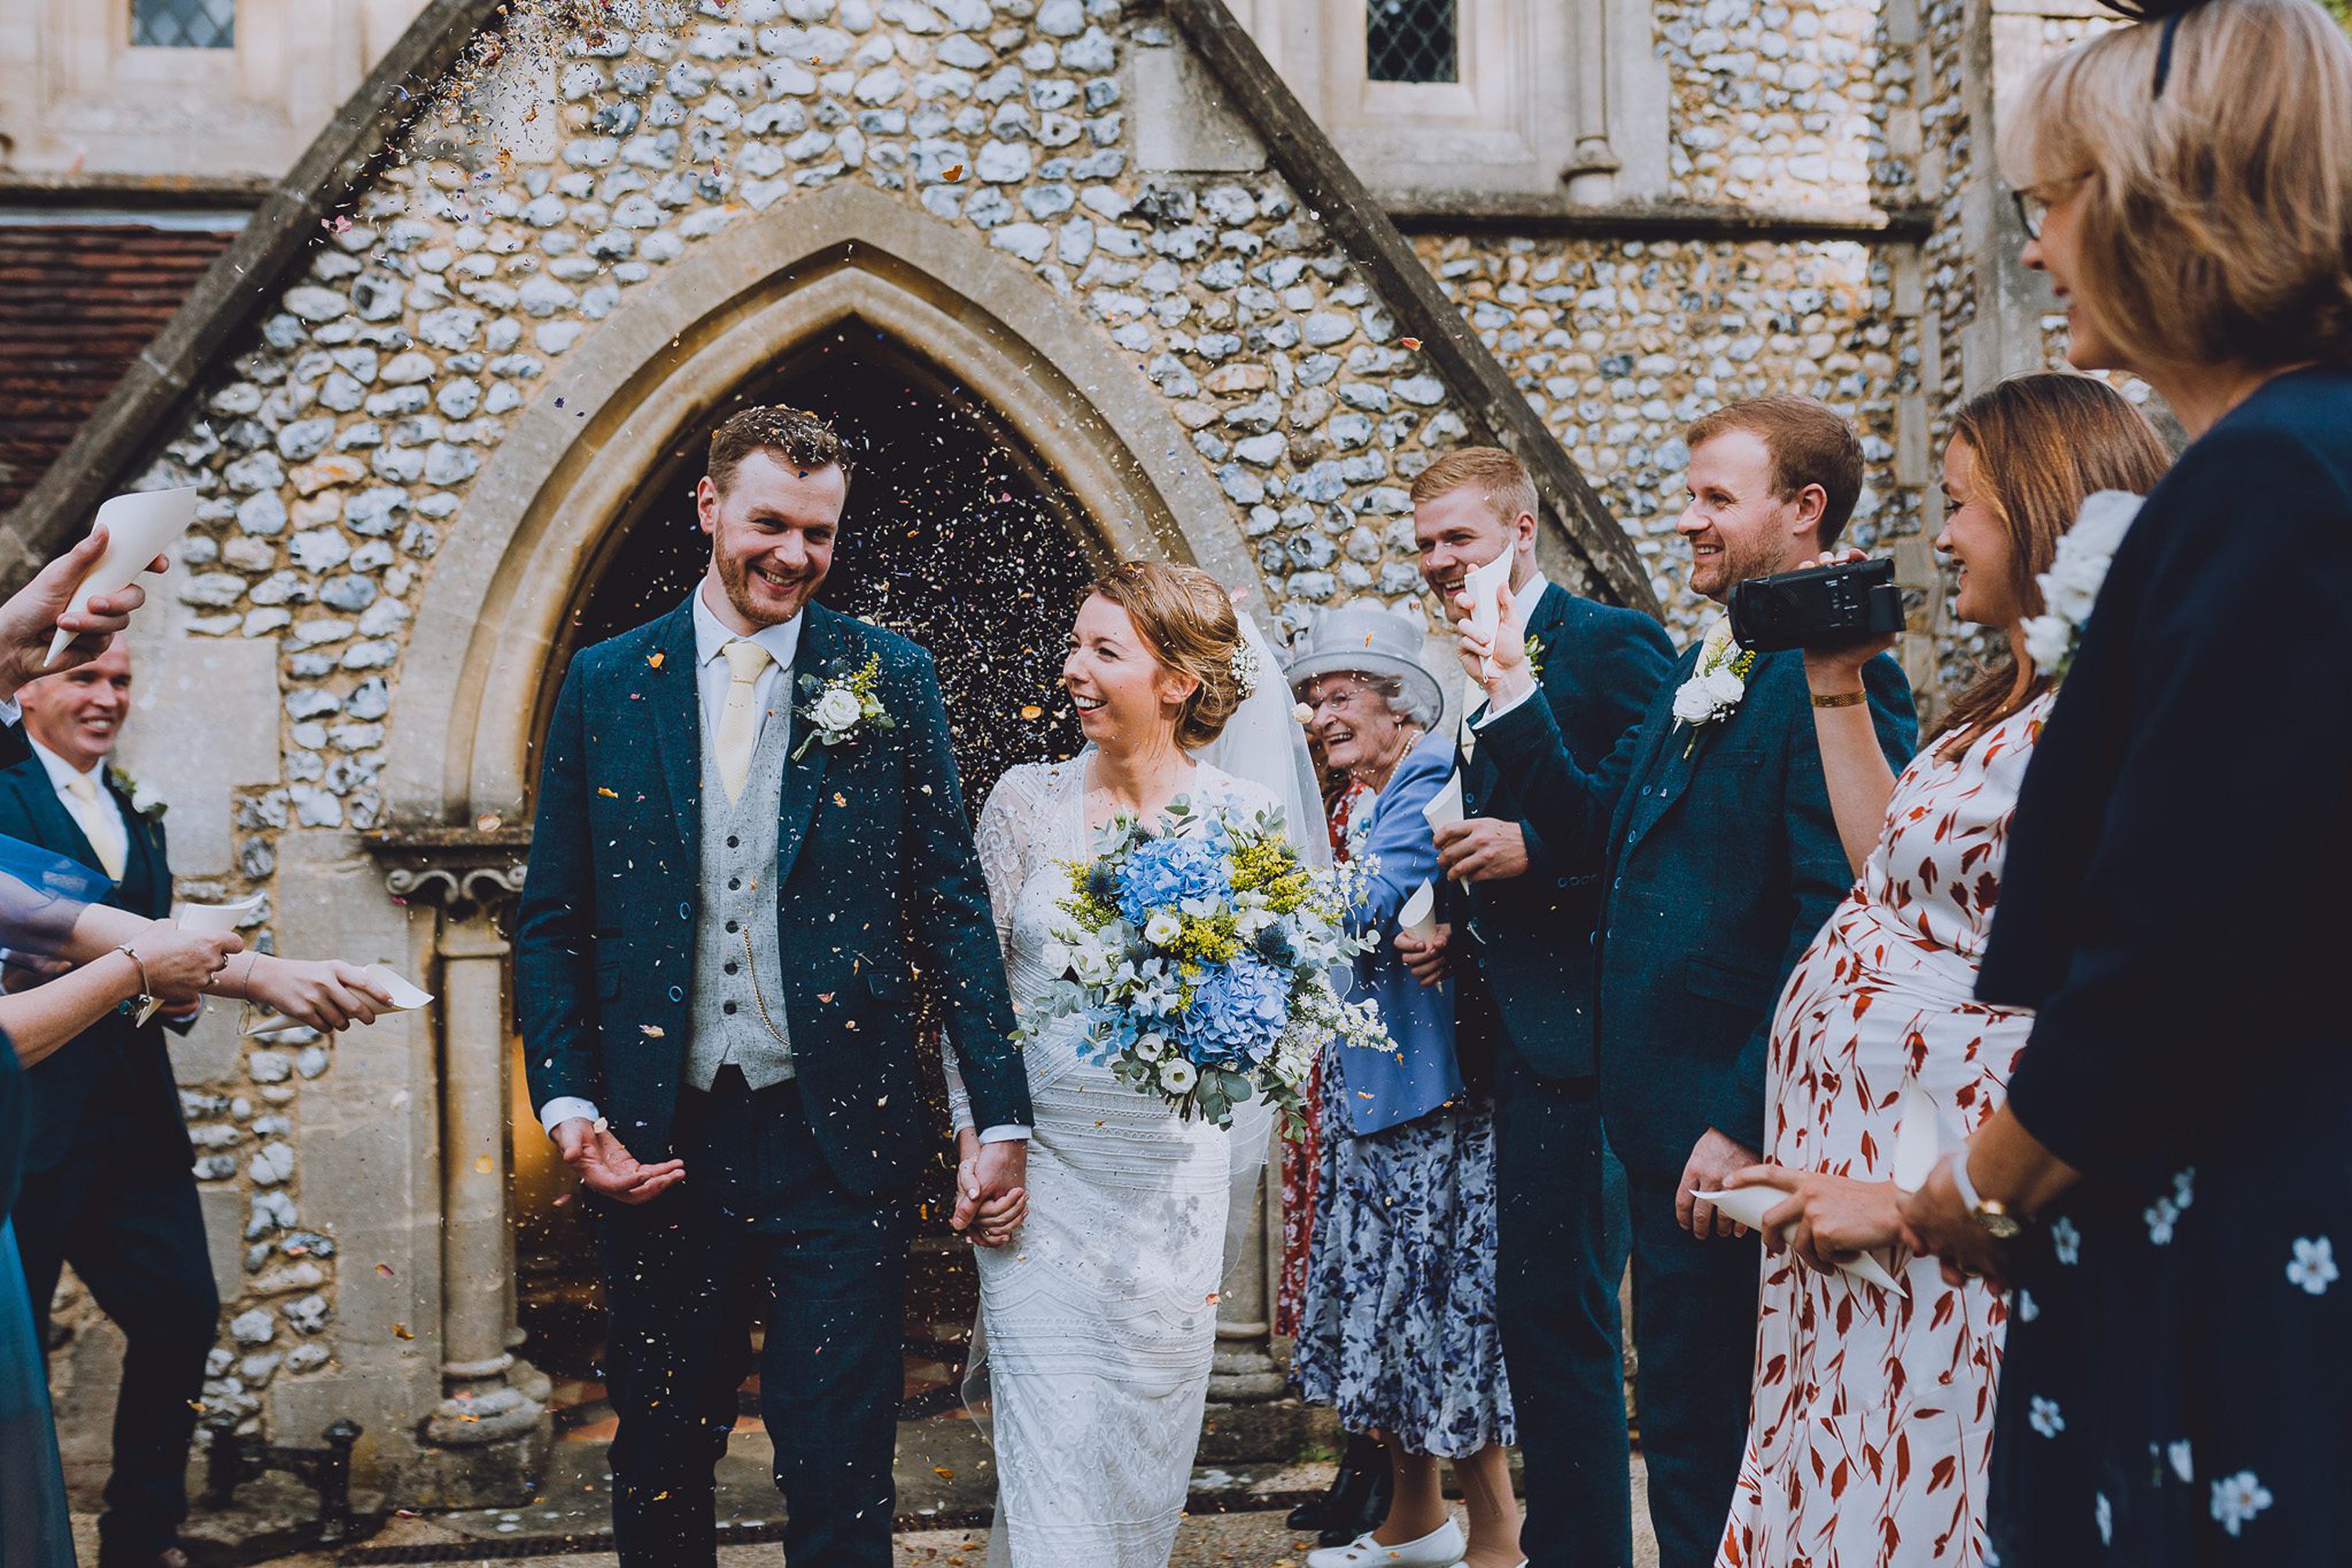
(1441, 1548)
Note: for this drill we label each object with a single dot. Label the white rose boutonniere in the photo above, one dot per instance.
(2071, 586)
(1717, 686)
(145, 799)
(843, 707)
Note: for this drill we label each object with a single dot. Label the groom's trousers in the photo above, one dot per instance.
(758, 1229)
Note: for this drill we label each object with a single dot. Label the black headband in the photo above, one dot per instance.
(2171, 12)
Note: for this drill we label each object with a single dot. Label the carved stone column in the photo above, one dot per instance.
(491, 1415)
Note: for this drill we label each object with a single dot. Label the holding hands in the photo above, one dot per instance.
(991, 1200)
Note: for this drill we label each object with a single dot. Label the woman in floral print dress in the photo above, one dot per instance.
(2171, 1161)
(1873, 1411)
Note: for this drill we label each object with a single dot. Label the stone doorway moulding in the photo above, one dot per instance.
(477, 672)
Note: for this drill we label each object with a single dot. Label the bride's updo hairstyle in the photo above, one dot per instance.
(1188, 622)
(2216, 142)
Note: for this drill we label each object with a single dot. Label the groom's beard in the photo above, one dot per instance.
(735, 581)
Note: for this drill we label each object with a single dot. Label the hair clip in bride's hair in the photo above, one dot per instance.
(1243, 665)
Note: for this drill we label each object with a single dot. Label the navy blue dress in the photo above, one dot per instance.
(2179, 1380)
(35, 1530)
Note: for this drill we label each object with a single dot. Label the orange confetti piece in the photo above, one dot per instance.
(654, 660)
(1030, 710)
(484, 1165)
(1410, 342)
(952, 173)
(943, 1472)
(385, 1270)
(403, 1331)
(608, 793)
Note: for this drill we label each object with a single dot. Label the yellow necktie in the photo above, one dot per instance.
(113, 853)
(739, 719)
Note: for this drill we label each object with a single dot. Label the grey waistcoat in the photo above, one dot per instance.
(738, 899)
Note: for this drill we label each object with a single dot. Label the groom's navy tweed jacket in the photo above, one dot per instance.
(877, 890)
(1723, 863)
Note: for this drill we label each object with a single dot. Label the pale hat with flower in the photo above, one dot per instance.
(1365, 639)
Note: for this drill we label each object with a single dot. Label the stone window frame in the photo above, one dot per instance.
(1551, 98)
(85, 91)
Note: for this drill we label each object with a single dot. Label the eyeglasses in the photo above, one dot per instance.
(2034, 202)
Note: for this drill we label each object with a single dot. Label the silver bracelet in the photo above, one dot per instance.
(146, 993)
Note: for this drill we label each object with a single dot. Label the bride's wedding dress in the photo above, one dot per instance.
(1099, 1319)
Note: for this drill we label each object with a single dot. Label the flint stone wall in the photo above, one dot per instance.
(336, 454)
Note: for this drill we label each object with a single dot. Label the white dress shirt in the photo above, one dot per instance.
(100, 821)
(712, 676)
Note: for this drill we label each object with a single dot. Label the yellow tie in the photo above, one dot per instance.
(113, 853)
(738, 721)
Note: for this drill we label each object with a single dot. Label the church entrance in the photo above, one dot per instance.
(957, 536)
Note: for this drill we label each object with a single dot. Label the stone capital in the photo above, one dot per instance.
(466, 871)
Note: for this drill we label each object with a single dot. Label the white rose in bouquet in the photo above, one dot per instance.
(1151, 1047)
(1163, 928)
(1177, 1076)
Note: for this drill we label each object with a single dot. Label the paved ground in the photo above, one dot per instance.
(1231, 1540)
(1238, 1518)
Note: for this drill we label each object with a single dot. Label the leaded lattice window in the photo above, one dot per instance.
(1413, 40)
(184, 23)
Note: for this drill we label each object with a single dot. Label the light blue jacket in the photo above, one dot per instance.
(1375, 1090)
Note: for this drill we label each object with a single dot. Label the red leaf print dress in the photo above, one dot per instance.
(1872, 1420)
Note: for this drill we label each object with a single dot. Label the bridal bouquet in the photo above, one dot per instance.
(1197, 962)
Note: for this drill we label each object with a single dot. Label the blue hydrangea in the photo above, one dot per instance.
(1162, 872)
(1238, 1012)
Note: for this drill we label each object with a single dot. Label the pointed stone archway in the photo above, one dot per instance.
(495, 625)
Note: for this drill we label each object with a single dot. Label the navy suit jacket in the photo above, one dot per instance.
(2168, 903)
(877, 889)
(1532, 934)
(1723, 862)
(142, 1104)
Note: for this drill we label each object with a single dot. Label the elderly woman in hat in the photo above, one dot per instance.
(1398, 1330)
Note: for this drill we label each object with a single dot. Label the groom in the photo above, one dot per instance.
(738, 875)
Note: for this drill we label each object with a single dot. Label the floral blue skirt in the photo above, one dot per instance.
(1397, 1331)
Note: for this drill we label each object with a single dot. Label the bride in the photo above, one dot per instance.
(1098, 1319)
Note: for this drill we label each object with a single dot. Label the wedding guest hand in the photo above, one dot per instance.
(1427, 962)
(180, 964)
(325, 993)
(1827, 1220)
(1936, 1224)
(42, 607)
(606, 1166)
(1483, 849)
(1835, 671)
(1715, 1160)
(1499, 664)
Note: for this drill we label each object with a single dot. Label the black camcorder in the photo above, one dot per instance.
(1820, 607)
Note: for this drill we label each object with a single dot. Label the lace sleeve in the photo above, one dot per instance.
(1002, 840)
(1004, 843)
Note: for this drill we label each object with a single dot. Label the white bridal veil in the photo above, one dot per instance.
(1264, 743)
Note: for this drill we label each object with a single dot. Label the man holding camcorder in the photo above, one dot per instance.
(1712, 826)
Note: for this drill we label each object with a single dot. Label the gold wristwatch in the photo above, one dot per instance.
(1993, 1216)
